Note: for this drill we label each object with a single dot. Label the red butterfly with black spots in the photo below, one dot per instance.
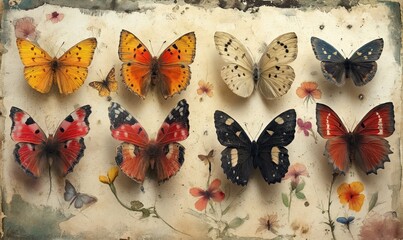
(137, 154)
(34, 149)
(365, 145)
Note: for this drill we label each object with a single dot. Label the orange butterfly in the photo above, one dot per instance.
(68, 72)
(170, 70)
(106, 86)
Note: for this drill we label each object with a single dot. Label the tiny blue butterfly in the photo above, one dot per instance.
(345, 221)
(361, 67)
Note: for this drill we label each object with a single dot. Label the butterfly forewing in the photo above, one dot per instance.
(328, 122)
(24, 128)
(281, 51)
(176, 125)
(229, 132)
(370, 52)
(125, 127)
(273, 159)
(69, 191)
(233, 51)
(325, 52)
(75, 125)
(181, 52)
(379, 121)
(132, 50)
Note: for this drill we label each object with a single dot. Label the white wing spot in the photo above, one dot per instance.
(229, 121)
(275, 155)
(270, 132)
(327, 124)
(380, 123)
(238, 133)
(279, 120)
(234, 157)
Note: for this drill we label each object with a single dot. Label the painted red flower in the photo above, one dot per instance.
(55, 17)
(213, 192)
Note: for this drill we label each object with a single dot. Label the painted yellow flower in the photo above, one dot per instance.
(351, 194)
(111, 176)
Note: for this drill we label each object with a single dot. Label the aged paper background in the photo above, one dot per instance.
(28, 210)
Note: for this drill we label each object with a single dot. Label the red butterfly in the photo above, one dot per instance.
(365, 146)
(64, 148)
(138, 153)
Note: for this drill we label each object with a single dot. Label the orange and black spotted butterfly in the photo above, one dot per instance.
(68, 72)
(105, 87)
(170, 70)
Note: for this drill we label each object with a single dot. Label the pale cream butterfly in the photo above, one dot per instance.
(272, 75)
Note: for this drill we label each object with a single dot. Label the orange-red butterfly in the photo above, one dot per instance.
(170, 70)
(68, 72)
(105, 87)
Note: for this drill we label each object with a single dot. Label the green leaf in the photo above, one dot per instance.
(146, 213)
(236, 222)
(300, 195)
(373, 201)
(300, 187)
(285, 199)
(136, 205)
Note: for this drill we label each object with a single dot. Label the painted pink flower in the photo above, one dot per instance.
(386, 226)
(304, 126)
(205, 88)
(213, 192)
(294, 173)
(25, 28)
(55, 17)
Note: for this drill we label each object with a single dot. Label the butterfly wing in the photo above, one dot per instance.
(38, 70)
(331, 127)
(273, 159)
(276, 76)
(130, 154)
(69, 136)
(371, 149)
(332, 62)
(136, 67)
(174, 71)
(69, 191)
(30, 140)
(84, 199)
(236, 159)
(107, 86)
(174, 129)
(72, 66)
(239, 73)
(363, 65)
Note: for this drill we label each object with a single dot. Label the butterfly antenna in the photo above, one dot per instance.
(59, 49)
(163, 43)
(261, 125)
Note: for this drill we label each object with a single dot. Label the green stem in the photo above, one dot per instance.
(169, 225)
(331, 223)
(289, 205)
(117, 198)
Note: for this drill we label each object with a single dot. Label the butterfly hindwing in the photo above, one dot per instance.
(273, 159)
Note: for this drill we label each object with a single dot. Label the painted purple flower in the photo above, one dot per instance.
(25, 28)
(55, 17)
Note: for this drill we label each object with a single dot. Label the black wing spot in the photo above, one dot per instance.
(29, 121)
(37, 131)
(61, 129)
(69, 118)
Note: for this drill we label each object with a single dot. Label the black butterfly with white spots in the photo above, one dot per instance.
(268, 153)
(361, 67)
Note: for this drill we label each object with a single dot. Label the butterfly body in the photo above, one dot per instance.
(271, 75)
(268, 152)
(64, 148)
(68, 72)
(360, 67)
(164, 155)
(170, 71)
(365, 145)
